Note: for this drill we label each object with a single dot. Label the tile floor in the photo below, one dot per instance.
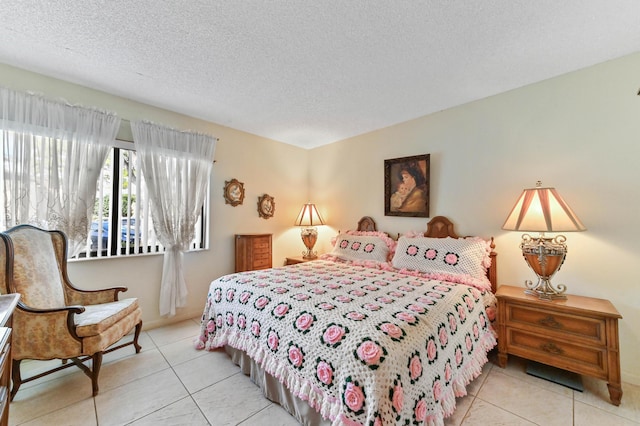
(170, 383)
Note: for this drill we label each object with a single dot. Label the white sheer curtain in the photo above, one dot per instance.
(176, 167)
(52, 155)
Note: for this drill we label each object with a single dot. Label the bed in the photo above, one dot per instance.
(377, 332)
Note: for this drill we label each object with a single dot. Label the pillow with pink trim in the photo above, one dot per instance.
(360, 247)
(390, 242)
(466, 256)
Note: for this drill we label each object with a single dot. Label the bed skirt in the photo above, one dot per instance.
(275, 391)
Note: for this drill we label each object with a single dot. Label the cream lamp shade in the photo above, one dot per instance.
(542, 210)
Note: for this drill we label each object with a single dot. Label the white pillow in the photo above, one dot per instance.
(360, 247)
(442, 255)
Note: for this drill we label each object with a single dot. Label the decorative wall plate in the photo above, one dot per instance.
(233, 192)
(266, 206)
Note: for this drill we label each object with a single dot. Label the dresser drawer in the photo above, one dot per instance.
(5, 372)
(261, 244)
(5, 348)
(262, 263)
(557, 352)
(261, 251)
(591, 330)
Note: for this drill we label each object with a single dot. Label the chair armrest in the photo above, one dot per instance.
(72, 309)
(45, 333)
(75, 296)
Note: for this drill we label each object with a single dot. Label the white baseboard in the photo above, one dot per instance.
(631, 378)
(182, 316)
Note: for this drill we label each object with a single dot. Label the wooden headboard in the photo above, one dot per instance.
(367, 224)
(441, 227)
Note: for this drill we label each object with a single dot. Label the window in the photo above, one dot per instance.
(121, 222)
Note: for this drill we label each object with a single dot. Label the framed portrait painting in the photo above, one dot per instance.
(406, 186)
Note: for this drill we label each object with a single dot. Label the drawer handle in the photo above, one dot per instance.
(550, 322)
(552, 348)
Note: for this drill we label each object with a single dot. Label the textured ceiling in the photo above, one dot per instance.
(310, 73)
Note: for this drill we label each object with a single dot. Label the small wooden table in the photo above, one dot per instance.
(579, 334)
(297, 259)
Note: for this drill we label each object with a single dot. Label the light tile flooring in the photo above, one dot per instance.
(170, 383)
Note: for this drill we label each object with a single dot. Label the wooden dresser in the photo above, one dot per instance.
(579, 334)
(8, 303)
(253, 251)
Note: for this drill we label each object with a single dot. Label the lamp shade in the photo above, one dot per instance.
(309, 216)
(542, 210)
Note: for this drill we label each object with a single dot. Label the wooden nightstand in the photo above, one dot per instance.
(579, 334)
(295, 260)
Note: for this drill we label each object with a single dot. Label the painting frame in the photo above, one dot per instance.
(406, 186)
(266, 206)
(233, 192)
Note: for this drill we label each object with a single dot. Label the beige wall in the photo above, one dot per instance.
(579, 132)
(265, 166)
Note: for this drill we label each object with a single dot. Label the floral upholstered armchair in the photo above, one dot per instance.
(55, 320)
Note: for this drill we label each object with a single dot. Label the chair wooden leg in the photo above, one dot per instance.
(16, 378)
(93, 373)
(135, 337)
(97, 363)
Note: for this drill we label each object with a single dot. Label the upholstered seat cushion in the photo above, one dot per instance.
(97, 318)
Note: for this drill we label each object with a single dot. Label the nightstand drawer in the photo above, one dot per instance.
(559, 353)
(534, 319)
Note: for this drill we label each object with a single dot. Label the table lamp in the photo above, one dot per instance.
(309, 218)
(543, 210)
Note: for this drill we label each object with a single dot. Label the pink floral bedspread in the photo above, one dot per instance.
(362, 346)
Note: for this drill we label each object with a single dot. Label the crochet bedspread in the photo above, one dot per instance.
(362, 346)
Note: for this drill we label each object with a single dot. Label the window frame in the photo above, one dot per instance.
(116, 251)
